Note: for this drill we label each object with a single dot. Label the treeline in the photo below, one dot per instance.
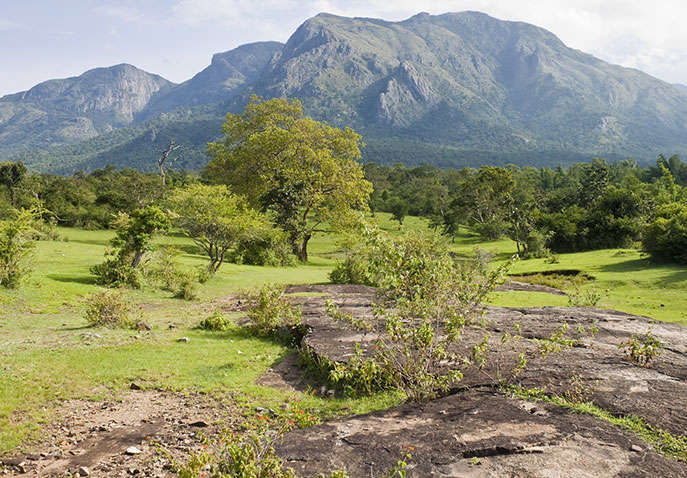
(86, 201)
(586, 206)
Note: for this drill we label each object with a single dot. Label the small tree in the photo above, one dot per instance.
(17, 240)
(665, 238)
(133, 239)
(399, 209)
(135, 232)
(215, 218)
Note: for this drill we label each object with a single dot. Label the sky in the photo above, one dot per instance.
(46, 39)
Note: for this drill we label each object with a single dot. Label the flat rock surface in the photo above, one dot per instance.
(475, 434)
(527, 287)
(573, 444)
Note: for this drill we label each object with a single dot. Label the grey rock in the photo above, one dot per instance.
(132, 450)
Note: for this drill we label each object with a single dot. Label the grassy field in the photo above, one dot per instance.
(48, 354)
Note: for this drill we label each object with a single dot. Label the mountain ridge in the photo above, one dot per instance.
(450, 85)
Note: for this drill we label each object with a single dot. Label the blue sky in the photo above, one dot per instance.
(47, 39)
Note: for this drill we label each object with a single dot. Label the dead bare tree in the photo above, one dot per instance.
(164, 156)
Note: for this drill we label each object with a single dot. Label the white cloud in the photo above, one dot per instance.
(7, 25)
(126, 13)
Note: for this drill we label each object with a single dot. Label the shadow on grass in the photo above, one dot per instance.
(90, 242)
(674, 273)
(81, 327)
(78, 279)
(632, 265)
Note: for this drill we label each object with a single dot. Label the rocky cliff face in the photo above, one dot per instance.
(453, 89)
(219, 81)
(507, 79)
(72, 109)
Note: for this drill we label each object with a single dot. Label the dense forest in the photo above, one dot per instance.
(585, 206)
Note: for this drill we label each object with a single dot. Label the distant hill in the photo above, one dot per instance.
(454, 89)
(74, 109)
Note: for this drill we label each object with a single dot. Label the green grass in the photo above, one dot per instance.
(47, 353)
(663, 442)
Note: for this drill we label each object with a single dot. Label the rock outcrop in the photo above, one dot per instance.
(477, 430)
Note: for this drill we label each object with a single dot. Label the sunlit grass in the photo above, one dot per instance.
(46, 354)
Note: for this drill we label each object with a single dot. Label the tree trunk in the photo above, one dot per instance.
(162, 174)
(138, 255)
(302, 252)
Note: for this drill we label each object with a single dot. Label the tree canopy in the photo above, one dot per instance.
(303, 171)
(216, 219)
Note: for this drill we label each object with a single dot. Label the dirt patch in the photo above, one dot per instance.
(96, 435)
(474, 434)
(288, 374)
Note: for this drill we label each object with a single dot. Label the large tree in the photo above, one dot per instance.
(304, 171)
(481, 200)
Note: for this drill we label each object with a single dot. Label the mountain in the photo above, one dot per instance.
(474, 82)
(74, 109)
(219, 81)
(455, 89)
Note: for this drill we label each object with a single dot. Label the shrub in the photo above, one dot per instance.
(352, 270)
(216, 322)
(253, 456)
(535, 244)
(186, 287)
(266, 246)
(642, 348)
(165, 271)
(250, 456)
(17, 240)
(491, 230)
(133, 240)
(589, 297)
(431, 297)
(269, 311)
(117, 272)
(109, 308)
(203, 274)
(665, 238)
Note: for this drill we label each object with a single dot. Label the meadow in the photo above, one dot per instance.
(48, 353)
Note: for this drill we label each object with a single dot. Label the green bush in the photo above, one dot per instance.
(352, 270)
(427, 299)
(186, 287)
(665, 238)
(133, 239)
(110, 308)
(116, 271)
(267, 246)
(642, 348)
(269, 311)
(203, 274)
(17, 240)
(216, 322)
(535, 245)
(163, 270)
